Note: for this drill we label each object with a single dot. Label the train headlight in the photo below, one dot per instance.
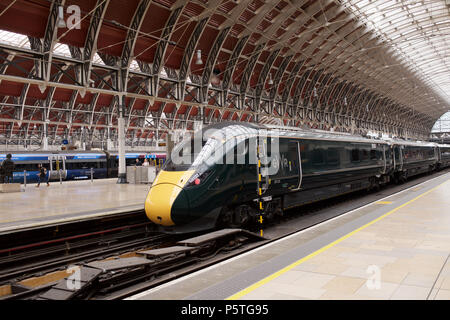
(198, 178)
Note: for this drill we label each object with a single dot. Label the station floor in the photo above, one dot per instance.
(71, 200)
(394, 248)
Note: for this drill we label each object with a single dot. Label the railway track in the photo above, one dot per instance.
(30, 252)
(151, 259)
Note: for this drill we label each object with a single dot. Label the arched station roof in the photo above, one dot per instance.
(354, 66)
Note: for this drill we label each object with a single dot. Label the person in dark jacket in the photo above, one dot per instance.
(138, 163)
(2, 173)
(8, 168)
(42, 175)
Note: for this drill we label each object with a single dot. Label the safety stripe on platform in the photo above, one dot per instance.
(258, 284)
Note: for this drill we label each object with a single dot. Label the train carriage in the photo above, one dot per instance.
(72, 165)
(413, 158)
(307, 166)
(444, 156)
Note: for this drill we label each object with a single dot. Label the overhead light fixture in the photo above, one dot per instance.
(61, 22)
(270, 79)
(215, 76)
(199, 57)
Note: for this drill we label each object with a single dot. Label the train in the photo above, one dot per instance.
(73, 165)
(199, 190)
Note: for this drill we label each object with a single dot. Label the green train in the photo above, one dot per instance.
(228, 174)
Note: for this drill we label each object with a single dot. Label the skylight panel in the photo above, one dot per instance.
(62, 49)
(414, 29)
(443, 124)
(14, 39)
(134, 66)
(97, 59)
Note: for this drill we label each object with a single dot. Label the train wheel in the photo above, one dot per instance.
(237, 217)
(242, 215)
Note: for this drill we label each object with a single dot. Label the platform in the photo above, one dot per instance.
(71, 200)
(394, 248)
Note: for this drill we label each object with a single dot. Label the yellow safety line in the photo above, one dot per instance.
(383, 202)
(258, 284)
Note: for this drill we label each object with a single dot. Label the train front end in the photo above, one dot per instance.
(180, 199)
(167, 203)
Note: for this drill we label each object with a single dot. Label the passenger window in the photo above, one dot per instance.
(332, 156)
(355, 155)
(364, 155)
(317, 157)
(373, 155)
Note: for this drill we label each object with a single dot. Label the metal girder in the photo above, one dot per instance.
(211, 61)
(231, 65)
(188, 54)
(309, 89)
(49, 38)
(278, 77)
(299, 89)
(290, 83)
(249, 70)
(263, 77)
(90, 44)
(130, 42)
(163, 44)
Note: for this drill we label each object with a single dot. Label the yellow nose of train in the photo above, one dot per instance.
(167, 189)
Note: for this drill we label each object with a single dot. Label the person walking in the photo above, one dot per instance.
(8, 168)
(42, 175)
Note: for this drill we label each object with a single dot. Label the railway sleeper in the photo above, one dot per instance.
(109, 275)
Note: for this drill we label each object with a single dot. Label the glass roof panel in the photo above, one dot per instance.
(14, 39)
(62, 50)
(443, 124)
(418, 30)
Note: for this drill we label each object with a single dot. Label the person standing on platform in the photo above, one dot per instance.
(2, 173)
(138, 163)
(42, 175)
(145, 164)
(8, 168)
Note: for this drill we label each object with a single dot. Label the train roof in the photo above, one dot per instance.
(50, 152)
(411, 143)
(238, 129)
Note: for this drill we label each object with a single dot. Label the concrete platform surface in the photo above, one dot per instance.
(394, 248)
(70, 200)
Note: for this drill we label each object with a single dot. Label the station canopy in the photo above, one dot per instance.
(67, 67)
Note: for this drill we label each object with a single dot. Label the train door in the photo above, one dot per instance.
(57, 167)
(281, 171)
(398, 158)
(296, 167)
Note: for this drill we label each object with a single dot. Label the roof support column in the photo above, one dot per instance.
(122, 175)
(44, 145)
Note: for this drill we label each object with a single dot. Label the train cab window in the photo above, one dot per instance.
(373, 154)
(355, 155)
